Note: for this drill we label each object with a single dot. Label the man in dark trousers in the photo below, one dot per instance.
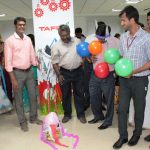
(68, 67)
(87, 68)
(135, 46)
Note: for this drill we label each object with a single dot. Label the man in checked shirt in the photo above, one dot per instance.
(135, 46)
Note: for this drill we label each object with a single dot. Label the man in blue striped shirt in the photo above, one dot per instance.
(135, 46)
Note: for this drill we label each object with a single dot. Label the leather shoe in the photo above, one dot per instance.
(65, 119)
(119, 143)
(93, 121)
(103, 126)
(82, 120)
(147, 138)
(134, 140)
(37, 121)
(24, 126)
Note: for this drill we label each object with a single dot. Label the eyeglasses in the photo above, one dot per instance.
(21, 25)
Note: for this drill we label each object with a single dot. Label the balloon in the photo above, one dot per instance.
(124, 67)
(82, 49)
(111, 55)
(95, 47)
(102, 70)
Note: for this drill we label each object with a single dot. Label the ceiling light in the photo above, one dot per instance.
(116, 10)
(133, 1)
(2, 15)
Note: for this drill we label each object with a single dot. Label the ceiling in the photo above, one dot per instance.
(13, 8)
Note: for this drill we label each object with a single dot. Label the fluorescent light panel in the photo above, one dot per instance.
(133, 1)
(2, 15)
(116, 10)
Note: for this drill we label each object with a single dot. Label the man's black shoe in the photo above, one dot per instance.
(95, 120)
(147, 138)
(134, 140)
(82, 119)
(103, 126)
(65, 119)
(119, 143)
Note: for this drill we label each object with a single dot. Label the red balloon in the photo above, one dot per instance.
(102, 70)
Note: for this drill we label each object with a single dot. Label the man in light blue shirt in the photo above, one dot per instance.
(135, 46)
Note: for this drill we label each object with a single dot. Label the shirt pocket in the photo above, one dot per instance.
(63, 52)
(17, 48)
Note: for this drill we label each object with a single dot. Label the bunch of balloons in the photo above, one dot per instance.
(84, 49)
(123, 67)
(94, 48)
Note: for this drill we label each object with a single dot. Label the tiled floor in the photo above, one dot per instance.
(12, 138)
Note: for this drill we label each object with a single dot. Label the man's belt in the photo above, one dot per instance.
(71, 70)
(24, 70)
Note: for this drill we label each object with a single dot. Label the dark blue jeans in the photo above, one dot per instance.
(107, 87)
(135, 87)
(88, 68)
(73, 79)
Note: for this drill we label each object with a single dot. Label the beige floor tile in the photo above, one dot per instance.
(12, 138)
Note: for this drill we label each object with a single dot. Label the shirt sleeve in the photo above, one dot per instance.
(33, 58)
(121, 46)
(147, 47)
(8, 52)
(55, 55)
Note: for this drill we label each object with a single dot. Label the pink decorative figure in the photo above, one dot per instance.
(52, 130)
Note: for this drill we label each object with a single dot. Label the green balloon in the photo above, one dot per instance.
(111, 55)
(124, 67)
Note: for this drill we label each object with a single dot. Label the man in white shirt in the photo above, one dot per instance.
(67, 65)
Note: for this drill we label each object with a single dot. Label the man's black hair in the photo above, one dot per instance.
(19, 19)
(101, 29)
(131, 12)
(78, 30)
(148, 14)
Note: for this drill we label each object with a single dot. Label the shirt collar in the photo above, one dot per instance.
(138, 33)
(17, 36)
(71, 41)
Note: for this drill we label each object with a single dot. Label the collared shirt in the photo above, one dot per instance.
(19, 53)
(136, 49)
(82, 39)
(65, 54)
(111, 42)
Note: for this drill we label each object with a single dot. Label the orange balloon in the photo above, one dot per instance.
(95, 47)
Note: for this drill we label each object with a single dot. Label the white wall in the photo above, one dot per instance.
(87, 23)
(7, 28)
